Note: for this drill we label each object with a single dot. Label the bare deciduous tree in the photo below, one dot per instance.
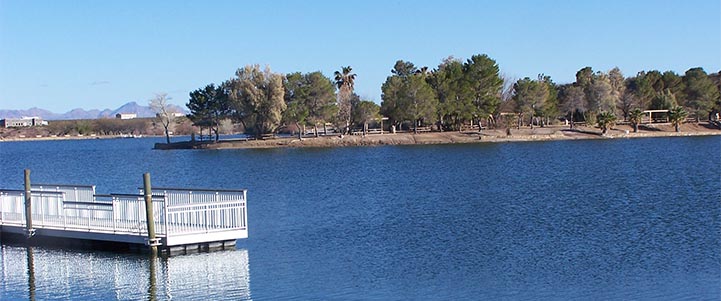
(163, 113)
(573, 100)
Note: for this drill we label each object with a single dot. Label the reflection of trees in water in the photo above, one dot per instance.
(109, 276)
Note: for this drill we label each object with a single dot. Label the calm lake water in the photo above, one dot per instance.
(613, 219)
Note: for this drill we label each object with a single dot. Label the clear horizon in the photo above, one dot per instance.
(100, 55)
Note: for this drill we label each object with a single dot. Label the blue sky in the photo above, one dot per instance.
(61, 55)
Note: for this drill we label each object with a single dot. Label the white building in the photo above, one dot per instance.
(126, 116)
(22, 122)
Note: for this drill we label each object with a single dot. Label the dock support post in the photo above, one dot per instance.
(152, 241)
(28, 206)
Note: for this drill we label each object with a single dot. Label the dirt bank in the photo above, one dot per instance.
(498, 135)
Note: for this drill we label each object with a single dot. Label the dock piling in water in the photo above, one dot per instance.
(152, 241)
(28, 206)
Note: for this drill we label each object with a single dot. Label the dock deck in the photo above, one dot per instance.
(182, 218)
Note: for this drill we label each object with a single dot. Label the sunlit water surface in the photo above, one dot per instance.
(611, 219)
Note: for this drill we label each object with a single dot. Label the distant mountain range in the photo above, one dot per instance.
(131, 107)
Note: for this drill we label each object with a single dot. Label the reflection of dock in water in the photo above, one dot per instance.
(39, 273)
(181, 220)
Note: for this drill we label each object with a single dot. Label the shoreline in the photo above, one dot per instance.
(487, 136)
(548, 133)
(58, 138)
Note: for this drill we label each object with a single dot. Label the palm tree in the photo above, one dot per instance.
(605, 121)
(635, 117)
(677, 115)
(344, 80)
(423, 71)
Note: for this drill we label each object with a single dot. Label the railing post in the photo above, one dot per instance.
(28, 206)
(42, 209)
(112, 214)
(65, 215)
(165, 217)
(216, 219)
(152, 242)
(245, 209)
(88, 212)
(205, 208)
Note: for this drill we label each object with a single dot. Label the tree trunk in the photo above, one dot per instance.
(531, 121)
(260, 128)
(325, 129)
(217, 131)
(245, 129)
(315, 129)
(300, 131)
(167, 135)
(678, 129)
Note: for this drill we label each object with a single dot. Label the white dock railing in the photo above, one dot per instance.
(120, 214)
(202, 210)
(176, 212)
(77, 193)
(72, 192)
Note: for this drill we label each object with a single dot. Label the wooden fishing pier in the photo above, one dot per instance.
(169, 220)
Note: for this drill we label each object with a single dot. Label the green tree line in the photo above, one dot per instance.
(456, 93)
